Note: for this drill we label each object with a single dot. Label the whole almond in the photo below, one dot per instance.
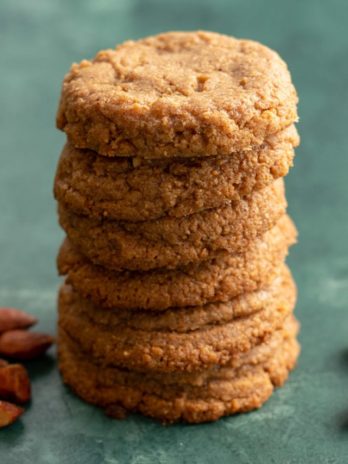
(14, 383)
(9, 413)
(11, 319)
(24, 345)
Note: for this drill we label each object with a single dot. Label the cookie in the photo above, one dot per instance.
(191, 318)
(219, 279)
(172, 242)
(196, 378)
(200, 397)
(177, 94)
(166, 350)
(134, 189)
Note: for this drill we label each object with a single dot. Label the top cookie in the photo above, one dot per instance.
(177, 94)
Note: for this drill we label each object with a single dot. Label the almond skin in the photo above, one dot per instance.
(11, 319)
(14, 383)
(24, 345)
(9, 413)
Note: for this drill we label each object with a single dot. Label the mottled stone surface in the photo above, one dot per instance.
(307, 420)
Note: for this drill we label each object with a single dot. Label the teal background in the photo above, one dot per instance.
(307, 420)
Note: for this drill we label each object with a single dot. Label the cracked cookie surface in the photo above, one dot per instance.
(134, 189)
(193, 397)
(172, 242)
(219, 279)
(177, 94)
(166, 349)
(189, 317)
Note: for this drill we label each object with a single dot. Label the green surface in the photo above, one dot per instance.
(307, 420)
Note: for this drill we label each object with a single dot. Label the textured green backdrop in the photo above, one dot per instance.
(307, 420)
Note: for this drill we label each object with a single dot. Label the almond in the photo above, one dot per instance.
(9, 413)
(3, 363)
(24, 345)
(14, 383)
(11, 319)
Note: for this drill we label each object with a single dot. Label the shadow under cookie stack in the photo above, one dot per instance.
(177, 302)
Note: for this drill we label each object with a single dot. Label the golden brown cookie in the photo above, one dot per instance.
(134, 189)
(219, 279)
(167, 350)
(173, 242)
(199, 397)
(177, 94)
(190, 317)
(198, 378)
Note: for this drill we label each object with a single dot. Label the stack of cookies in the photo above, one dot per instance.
(177, 302)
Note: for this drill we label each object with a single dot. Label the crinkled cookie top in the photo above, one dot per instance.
(177, 94)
